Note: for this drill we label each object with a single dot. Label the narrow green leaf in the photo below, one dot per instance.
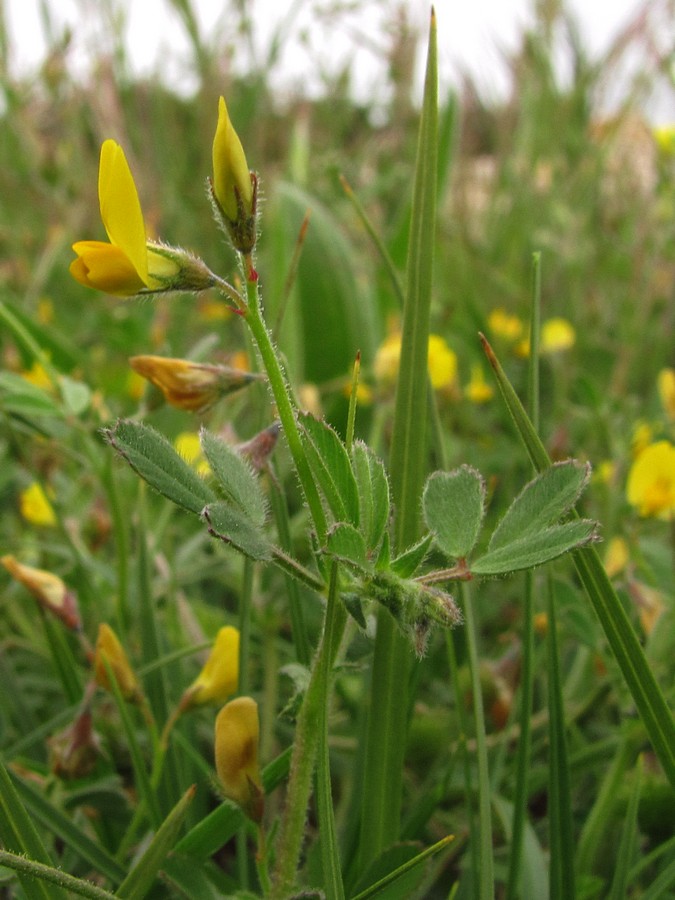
(627, 845)
(624, 642)
(535, 549)
(139, 880)
(411, 559)
(562, 881)
(330, 464)
(543, 501)
(230, 525)
(388, 710)
(20, 397)
(454, 505)
(347, 544)
(209, 835)
(151, 455)
(373, 490)
(52, 819)
(19, 835)
(235, 476)
(402, 875)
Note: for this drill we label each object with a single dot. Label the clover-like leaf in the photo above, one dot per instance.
(454, 504)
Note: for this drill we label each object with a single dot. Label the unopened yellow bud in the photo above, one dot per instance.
(48, 589)
(666, 386)
(219, 678)
(189, 385)
(236, 751)
(234, 188)
(109, 651)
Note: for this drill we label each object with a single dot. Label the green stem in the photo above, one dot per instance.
(53, 876)
(285, 410)
(486, 886)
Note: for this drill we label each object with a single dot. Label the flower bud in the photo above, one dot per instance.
(48, 589)
(236, 752)
(109, 651)
(35, 506)
(219, 678)
(189, 385)
(74, 751)
(234, 187)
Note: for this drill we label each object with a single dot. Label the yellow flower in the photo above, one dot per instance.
(557, 335)
(505, 325)
(110, 651)
(130, 264)
(38, 376)
(666, 387)
(651, 481)
(643, 434)
(441, 361)
(189, 385)
(189, 446)
(234, 187)
(219, 678)
(478, 390)
(605, 472)
(48, 589)
(236, 752)
(35, 507)
(616, 556)
(664, 136)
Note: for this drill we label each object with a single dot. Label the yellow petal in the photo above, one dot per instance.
(106, 268)
(120, 207)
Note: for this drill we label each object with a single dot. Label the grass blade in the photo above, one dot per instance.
(387, 725)
(623, 641)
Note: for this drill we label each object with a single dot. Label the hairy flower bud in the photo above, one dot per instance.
(110, 655)
(234, 187)
(236, 752)
(48, 589)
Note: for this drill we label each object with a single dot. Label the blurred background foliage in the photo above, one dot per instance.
(543, 170)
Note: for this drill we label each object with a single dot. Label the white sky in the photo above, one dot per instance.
(471, 35)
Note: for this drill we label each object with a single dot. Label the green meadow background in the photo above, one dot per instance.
(544, 171)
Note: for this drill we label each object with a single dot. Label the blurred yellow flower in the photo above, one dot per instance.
(651, 481)
(616, 556)
(35, 506)
(45, 311)
(557, 335)
(109, 651)
(189, 446)
(441, 361)
(38, 376)
(135, 385)
(364, 393)
(505, 325)
(666, 386)
(642, 436)
(190, 385)
(220, 675)
(605, 471)
(664, 136)
(236, 752)
(478, 390)
(649, 604)
(48, 589)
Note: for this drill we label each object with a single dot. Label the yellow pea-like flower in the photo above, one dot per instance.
(109, 650)
(189, 385)
(130, 264)
(236, 752)
(48, 589)
(651, 481)
(219, 677)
